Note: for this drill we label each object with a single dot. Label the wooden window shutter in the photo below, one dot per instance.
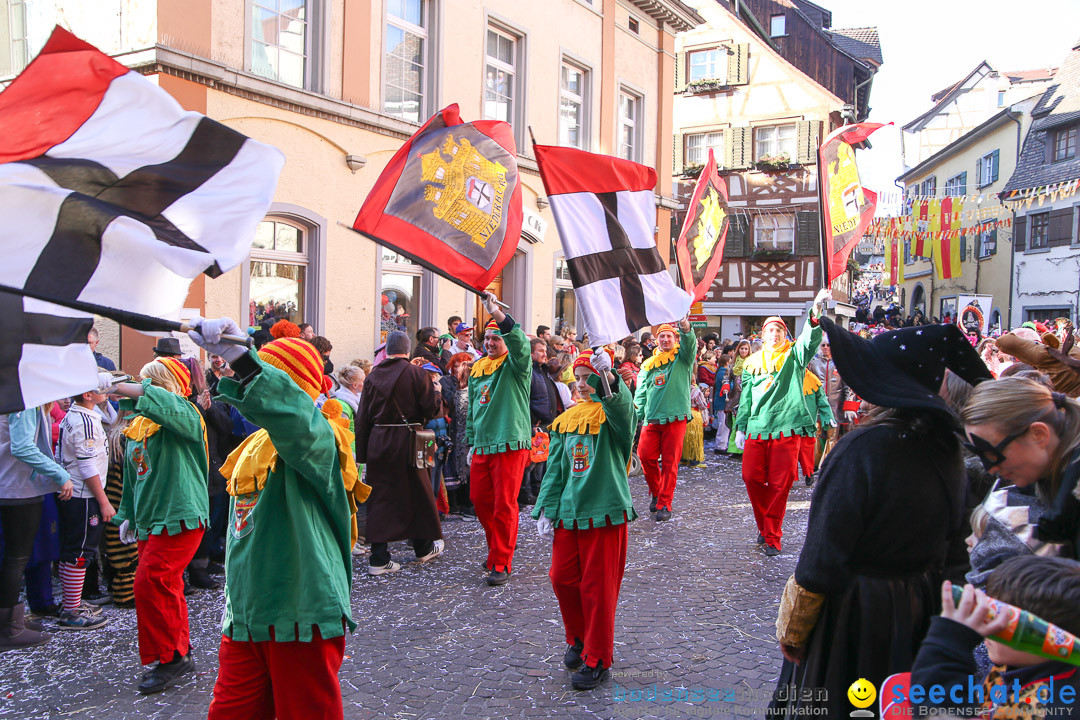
(963, 248)
(735, 246)
(994, 175)
(806, 233)
(678, 156)
(1020, 232)
(1061, 227)
(806, 134)
(978, 173)
(739, 149)
(680, 72)
(963, 183)
(993, 241)
(738, 64)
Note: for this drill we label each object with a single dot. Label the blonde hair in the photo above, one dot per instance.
(979, 519)
(349, 374)
(160, 376)
(1013, 404)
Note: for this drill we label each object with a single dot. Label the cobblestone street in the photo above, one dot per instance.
(696, 614)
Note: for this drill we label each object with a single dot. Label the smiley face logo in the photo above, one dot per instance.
(862, 693)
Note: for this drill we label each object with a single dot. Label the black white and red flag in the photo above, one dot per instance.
(114, 195)
(450, 199)
(700, 248)
(847, 208)
(605, 211)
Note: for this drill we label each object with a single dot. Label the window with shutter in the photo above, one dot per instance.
(735, 247)
(738, 64)
(995, 155)
(806, 132)
(1020, 233)
(739, 150)
(806, 239)
(1061, 227)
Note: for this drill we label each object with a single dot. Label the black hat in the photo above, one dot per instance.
(168, 347)
(904, 368)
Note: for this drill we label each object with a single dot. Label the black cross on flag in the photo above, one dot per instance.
(114, 195)
(606, 215)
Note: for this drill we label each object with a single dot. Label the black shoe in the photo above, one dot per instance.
(166, 674)
(188, 589)
(497, 577)
(200, 578)
(718, 451)
(760, 539)
(771, 551)
(663, 514)
(588, 677)
(652, 504)
(809, 480)
(572, 658)
(215, 568)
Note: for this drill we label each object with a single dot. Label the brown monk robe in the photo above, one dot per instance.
(402, 505)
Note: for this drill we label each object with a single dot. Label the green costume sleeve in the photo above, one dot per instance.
(517, 345)
(687, 347)
(126, 509)
(555, 476)
(639, 397)
(300, 433)
(746, 403)
(469, 419)
(619, 410)
(804, 349)
(170, 411)
(825, 413)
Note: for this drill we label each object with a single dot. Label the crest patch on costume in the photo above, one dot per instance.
(241, 524)
(580, 451)
(140, 460)
(660, 380)
(485, 395)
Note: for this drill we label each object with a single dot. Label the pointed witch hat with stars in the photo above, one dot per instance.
(904, 368)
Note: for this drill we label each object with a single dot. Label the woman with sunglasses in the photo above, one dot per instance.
(1030, 435)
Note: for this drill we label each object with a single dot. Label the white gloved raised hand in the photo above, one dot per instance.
(106, 383)
(490, 303)
(544, 526)
(127, 533)
(207, 335)
(832, 423)
(740, 439)
(600, 361)
(850, 416)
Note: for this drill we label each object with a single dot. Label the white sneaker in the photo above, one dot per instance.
(360, 549)
(389, 567)
(436, 550)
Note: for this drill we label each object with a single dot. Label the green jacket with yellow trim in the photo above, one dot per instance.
(165, 472)
(288, 554)
(773, 405)
(585, 483)
(499, 417)
(663, 391)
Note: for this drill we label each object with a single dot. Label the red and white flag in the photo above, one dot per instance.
(111, 194)
(605, 211)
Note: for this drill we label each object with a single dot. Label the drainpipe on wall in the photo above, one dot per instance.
(1012, 251)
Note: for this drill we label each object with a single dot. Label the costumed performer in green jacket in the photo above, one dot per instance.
(662, 403)
(775, 412)
(288, 565)
(498, 430)
(166, 508)
(585, 499)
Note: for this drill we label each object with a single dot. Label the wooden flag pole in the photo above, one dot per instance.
(822, 220)
(133, 320)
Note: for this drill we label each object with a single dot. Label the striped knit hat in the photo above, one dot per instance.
(585, 359)
(299, 360)
(491, 325)
(179, 371)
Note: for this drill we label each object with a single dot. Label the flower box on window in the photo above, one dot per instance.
(772, 255)
(693, 170)
(775, 163)
(708, 85)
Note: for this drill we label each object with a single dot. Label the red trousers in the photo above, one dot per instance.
(287, 680)
(807, 448)
(159, 594)
(660, 449)
(769, 468)
(586, 573)
(494, 483)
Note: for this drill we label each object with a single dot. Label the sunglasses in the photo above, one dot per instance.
(990, 455)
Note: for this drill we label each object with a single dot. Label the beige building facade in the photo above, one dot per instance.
(339, 85)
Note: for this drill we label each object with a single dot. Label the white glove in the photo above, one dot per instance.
(127, 533)
(207, 335)
(832, 423)
(544, 526)
(600, 361)
(740, 439)
(469, 456)
(489, 303)
(106, 383)
(850, 416)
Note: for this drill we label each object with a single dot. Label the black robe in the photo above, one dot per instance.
(401, 505)
(881, 518)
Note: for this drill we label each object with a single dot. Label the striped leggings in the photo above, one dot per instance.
(120, 559)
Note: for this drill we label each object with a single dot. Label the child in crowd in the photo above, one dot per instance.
(1020, 684)
(83, 451)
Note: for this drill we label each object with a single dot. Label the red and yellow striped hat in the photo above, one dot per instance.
(491, 325)
(585, 359)
(179, 371)
(299, 360)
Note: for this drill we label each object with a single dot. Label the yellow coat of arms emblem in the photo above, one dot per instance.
(466, 188)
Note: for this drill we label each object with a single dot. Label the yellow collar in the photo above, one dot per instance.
(141, 428)
(487, 365)
(659, 358)
(584, 418)
(767, 361)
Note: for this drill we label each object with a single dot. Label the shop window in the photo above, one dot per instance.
(277, 287)
(400, 283)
